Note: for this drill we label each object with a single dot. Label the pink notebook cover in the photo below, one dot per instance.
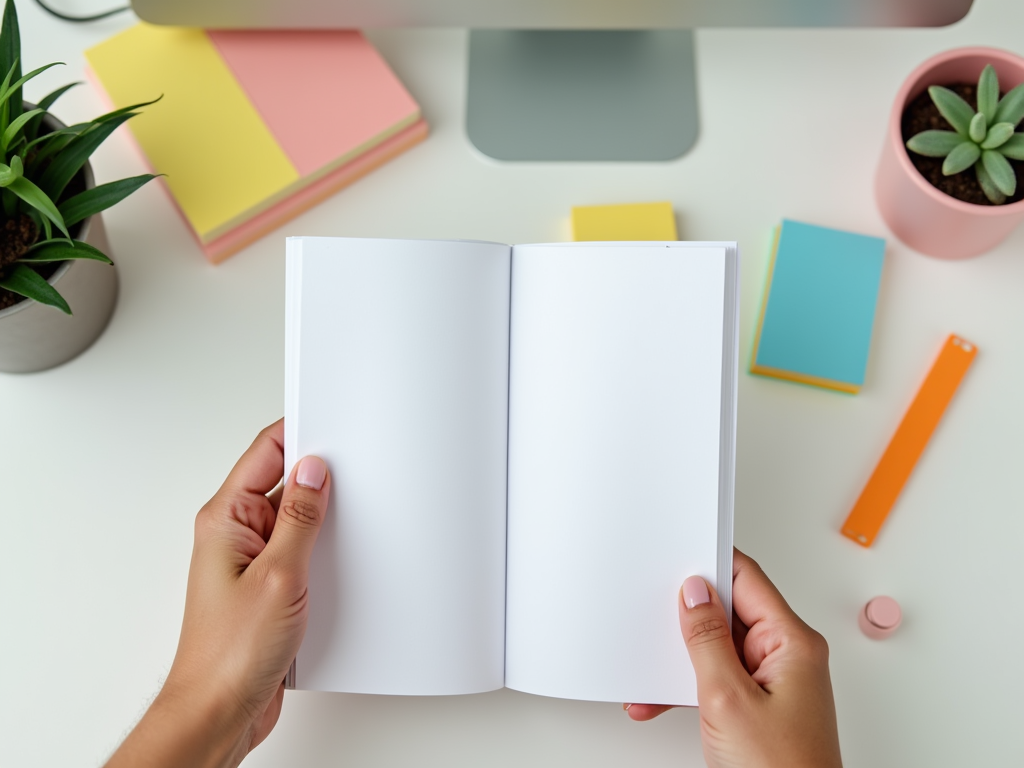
(322, 94)
(312, 130)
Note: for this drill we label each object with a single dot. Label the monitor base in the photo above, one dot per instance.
(582, 95)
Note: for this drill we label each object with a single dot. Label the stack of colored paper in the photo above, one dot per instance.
(819, 307)
(630, 221)
(255, 127)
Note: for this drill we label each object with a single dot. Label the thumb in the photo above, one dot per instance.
(300, 515)
(708, 638)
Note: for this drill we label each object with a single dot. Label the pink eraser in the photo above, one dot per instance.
(880, 617)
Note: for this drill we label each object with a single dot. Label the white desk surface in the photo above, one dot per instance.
(105, 461)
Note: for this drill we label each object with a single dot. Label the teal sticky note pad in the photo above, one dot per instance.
(820, 307)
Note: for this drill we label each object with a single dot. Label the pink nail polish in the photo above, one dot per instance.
(695, 592)
(880, 617)
(311, 473)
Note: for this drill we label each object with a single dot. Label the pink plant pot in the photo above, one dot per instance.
(920, 215)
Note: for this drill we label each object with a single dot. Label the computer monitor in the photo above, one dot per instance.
(568, 80)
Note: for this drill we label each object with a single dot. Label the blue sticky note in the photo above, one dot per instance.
(819, 309)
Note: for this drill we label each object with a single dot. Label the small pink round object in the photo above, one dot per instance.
(880, 617)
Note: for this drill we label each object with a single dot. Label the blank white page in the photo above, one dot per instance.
(620, 375)
(397, 375)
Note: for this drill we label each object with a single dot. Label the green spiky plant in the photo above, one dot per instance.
(37, 164)
(981, 139)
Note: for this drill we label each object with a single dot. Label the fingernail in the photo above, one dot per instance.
(695, 592)
(626, 707)
(311, 473)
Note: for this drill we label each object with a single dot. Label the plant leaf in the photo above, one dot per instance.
(124, 110)
(38, 199)
(18, 123)
(97, 199)
(5, 95)
(998, 135)
(988, 93)
(934, 143)
(8, 173)
(51, 98)
(10, 52)
(988, 186)
(1011, 106)
(60, 140)
(958, 113)
(1013, 148)
(961, 158)
(71, 158)
(978, 128)
(32, 129)
(58, 250)
(26, 282)
(1000, 170)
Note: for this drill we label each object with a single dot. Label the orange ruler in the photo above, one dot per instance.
(907, 445)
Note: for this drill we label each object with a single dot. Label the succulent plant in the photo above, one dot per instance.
(38, 209)
(981, 139)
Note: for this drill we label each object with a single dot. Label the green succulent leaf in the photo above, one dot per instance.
(10, 53)
(85, 204)
(988, 93)
(8, 173)
(26, 282)
(58, 250)
(934, 143)
(1000, 170)
(961, 158)
(958, 113)
(998, 135)
(988, 186)
(16, 125)
(69, 160)
(1013, 148)
(39, 200)
(1011, 106)
(978, 128)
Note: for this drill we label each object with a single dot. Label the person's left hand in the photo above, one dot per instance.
(245, 614)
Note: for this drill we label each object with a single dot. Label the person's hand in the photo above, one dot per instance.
(245, 614)
(764, 691)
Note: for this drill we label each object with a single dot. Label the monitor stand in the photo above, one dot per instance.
(583, 96)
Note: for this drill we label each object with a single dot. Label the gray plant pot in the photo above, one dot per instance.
(34, 337)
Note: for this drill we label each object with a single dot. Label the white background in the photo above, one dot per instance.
(104, 462)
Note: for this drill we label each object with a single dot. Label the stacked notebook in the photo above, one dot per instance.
(819, 307)
(255, 127)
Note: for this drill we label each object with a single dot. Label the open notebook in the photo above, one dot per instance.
(531, 447)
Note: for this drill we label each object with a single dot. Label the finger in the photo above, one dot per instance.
(754, 597)
(262, 465)
(739, 638)
(300, 515)
(274, 497)
(709, 639)
(641, 712)
(761, 606)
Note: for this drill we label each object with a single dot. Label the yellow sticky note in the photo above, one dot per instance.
(220, 158)
(633, 221)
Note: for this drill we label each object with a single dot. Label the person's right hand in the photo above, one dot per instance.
(764, 690)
